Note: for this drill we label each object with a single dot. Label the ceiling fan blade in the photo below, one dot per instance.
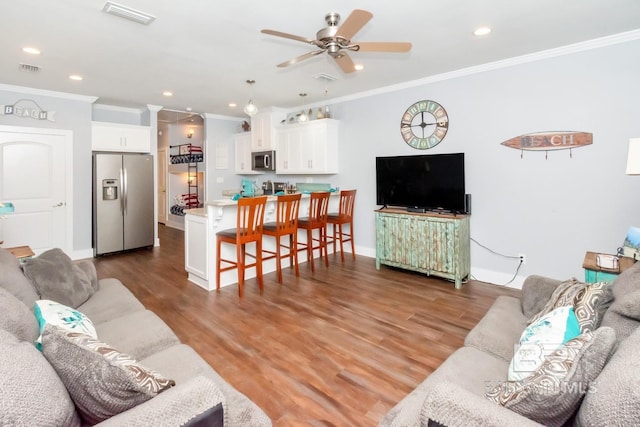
(300, 58)
(353, 23)
(384, 46)
(345, 62)
(287, 36)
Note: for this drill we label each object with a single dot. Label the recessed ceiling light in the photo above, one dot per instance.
(128, 13)
(233, 105)
(358, 67)
(75, 77)
(482, 31)
(167, 93)
(31, 50)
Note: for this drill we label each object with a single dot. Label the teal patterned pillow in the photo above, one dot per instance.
(52, 313)
(540, 339)
(552, 394)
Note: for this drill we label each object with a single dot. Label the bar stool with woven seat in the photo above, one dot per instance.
(317, 220)
(286, 224)
(342, 218)
(248, 229)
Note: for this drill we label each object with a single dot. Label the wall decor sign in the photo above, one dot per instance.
(27, 108)
(549, 141)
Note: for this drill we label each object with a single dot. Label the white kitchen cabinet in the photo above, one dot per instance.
(120, 137)
(308, 148)
(263, 130)
(196, 248)
(242, 144)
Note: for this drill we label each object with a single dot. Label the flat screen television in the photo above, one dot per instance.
(424, 182)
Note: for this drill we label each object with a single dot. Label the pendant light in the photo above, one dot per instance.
(303, 116)
(250, 109)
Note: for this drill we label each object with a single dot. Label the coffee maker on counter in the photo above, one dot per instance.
(271, 187)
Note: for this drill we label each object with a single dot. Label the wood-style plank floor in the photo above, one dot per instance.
(338, 347)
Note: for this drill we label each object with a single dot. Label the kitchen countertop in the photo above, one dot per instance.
(230, 202)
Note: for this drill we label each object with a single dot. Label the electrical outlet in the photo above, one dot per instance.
(523, 258)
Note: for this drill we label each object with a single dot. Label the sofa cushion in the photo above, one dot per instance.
(112, 300)
(13, 280)
(542, 338)
(182, 363)
(615, 400)
(552, 394)
(139, 334)
(16, 318)
(57, 278)
(101, 381)
(52, 313)
(624, 313)
(590, 304)
(31, 392)
(500, 329)
(562, 296)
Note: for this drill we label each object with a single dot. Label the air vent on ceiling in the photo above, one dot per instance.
(28, 68)
(128, 13)
(324, 76)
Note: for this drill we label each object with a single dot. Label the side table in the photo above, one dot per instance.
(594, 273)
(21, 252)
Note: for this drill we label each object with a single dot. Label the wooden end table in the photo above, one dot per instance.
(594, 273)
(21, 252)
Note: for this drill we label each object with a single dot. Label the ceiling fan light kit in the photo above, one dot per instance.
(250, 109)
(335, 40)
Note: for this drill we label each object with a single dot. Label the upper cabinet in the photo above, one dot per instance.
(120, 137)
(263, 130)
(242, 143)
(308, 148)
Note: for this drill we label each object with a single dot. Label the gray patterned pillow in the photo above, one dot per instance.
(101, 381)
(590, 304)
(562, 296)
(553, 392)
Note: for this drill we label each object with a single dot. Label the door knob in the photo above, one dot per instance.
(58, 205)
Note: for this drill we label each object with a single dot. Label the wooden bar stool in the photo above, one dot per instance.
(286, 224)
(248, 229)
(342, 218)
(317, 220)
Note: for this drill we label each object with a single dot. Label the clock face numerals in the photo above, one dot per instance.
(424, 124)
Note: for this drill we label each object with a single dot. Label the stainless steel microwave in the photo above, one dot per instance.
(263, 161)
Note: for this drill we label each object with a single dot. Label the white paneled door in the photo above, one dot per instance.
(33, 176)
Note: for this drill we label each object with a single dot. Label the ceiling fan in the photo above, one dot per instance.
(336, 40)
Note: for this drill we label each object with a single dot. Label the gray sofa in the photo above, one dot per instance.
(606, 383)
(33, 391)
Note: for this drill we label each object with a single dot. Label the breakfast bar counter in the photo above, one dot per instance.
(201, 226)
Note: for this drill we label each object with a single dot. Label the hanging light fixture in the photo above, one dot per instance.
(250, 109)
(303, 116)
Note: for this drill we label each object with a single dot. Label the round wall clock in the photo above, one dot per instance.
(424, 124)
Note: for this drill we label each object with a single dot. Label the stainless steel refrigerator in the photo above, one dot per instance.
(123, 202)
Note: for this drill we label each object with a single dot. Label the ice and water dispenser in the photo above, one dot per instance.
(109, 189)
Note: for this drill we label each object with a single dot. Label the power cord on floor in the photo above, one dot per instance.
(504, 256)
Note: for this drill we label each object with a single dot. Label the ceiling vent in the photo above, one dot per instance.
(128, 13)
(324, 76)
(28, 68)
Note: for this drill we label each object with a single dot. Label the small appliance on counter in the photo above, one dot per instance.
(248, 188)
(270, 188)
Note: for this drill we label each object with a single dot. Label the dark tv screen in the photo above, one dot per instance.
(430, 182)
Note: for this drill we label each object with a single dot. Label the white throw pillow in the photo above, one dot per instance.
(540, 339)
(52, 313)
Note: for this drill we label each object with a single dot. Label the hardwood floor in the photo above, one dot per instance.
(338, 347)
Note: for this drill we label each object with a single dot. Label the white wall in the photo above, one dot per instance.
(552, 210)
